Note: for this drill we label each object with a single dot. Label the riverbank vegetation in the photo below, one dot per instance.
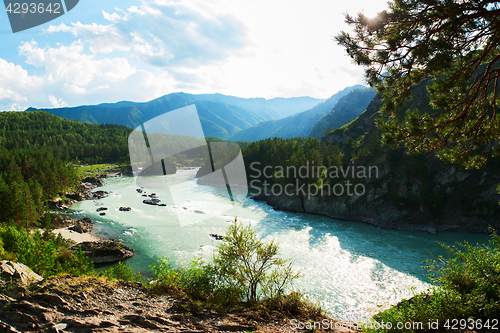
(45, 253)
(466, 296)
(37, 153)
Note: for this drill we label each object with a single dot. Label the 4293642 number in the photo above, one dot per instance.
(471, 324)
(33, 8)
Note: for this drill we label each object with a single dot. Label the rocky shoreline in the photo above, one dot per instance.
(78, 231)
(367, 209)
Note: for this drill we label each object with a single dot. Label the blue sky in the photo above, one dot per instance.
(138, 50)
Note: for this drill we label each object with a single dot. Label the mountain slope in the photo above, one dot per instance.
(347, 109)
(363, 180)
(299, 124)
(218, 117)
(418, 192)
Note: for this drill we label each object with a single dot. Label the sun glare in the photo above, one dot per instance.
(371, 12)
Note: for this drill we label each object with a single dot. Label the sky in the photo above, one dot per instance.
(139, 50)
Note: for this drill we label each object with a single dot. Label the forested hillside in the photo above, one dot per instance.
(37, 152)
(65, 139)
(299, 124)
(407, 192)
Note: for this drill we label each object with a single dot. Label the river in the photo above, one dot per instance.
(351, 269)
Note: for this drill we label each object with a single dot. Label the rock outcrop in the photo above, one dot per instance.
(88, 304)
(106, 251)
(151, 201)
(17, 273)
(83, 225)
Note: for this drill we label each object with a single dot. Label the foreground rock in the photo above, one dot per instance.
(13, 272)
(87, 304)
(106, 251)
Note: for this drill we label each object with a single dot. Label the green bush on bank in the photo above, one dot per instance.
(468, 288)
(46, 254)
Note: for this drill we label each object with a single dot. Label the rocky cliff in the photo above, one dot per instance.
(409, 192)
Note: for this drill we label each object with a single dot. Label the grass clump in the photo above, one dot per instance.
(123, 272)
(468, 289)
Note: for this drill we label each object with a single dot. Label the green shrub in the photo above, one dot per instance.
(468, 288)
(166, 277)
(294, 304)
(244, 268)
(122, 272)
(46, 254)
(245, 262)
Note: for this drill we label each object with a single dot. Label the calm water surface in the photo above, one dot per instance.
(352, 269)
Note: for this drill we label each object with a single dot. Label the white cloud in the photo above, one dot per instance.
(75, 78)
(57, 103)
(163, 34)
(16, 85)
(111, 17)
(248, 48)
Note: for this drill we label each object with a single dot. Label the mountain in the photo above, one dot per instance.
(347, 109)
(269, 109)
(218, 117)
(299, 124)
(218, 120)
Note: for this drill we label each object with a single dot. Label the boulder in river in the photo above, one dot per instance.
(151, 201)
(101, 208)
(217, 236)
(125, 209)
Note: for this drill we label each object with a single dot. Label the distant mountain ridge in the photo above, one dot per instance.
(219, 115)
(269, 109)
(299, 124)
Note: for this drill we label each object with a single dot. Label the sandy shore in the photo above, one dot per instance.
(75, 236)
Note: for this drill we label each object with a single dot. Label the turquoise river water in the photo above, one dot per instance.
(352, 269)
